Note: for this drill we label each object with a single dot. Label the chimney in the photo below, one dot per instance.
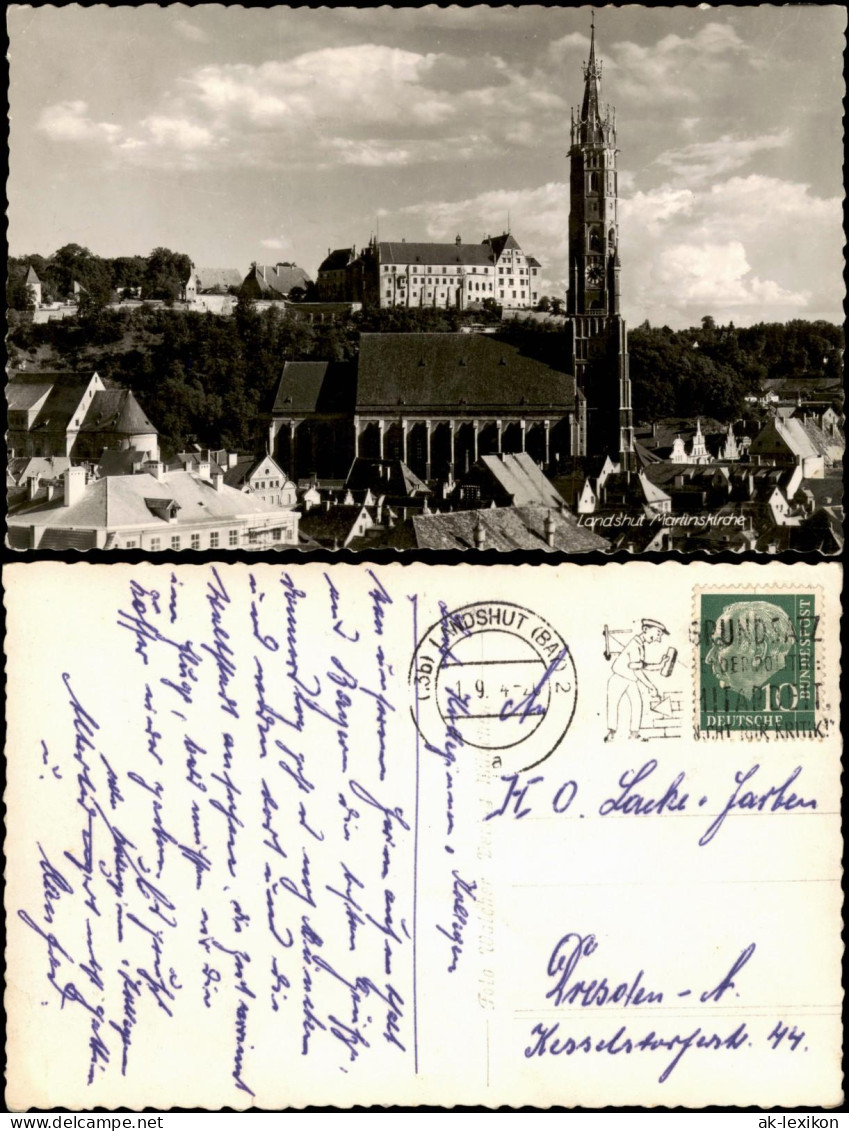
(32, 486)
(74, 479)
(480, 535)
(51, 491)
(217, 480)
(458, 240)
(263, 272)
(549, 529)
(232, 459)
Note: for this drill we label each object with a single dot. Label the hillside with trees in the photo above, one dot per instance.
(208, 379)
(159, 275)
(709, 370)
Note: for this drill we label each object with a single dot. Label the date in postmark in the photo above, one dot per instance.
(759, 662)
(495, 678)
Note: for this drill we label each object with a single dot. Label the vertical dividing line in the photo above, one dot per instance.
(415, 601)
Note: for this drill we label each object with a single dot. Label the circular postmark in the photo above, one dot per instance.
(496, 679)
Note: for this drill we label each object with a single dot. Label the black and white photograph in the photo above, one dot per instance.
(555, 279)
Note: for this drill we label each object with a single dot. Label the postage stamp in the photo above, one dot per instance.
(494, 677)
(758, 661)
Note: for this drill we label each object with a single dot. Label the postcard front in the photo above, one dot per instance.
(397, 835)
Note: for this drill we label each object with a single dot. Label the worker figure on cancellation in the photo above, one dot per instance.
(629, 680)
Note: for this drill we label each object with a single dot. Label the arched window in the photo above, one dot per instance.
(595, 239)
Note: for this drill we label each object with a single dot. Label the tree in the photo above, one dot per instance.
(18, 294)
(165, 274)
(544, 305)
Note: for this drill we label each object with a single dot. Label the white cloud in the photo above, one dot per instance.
(748, 248)
(705, 159)
(191, 31)
(69, 121)
(714, 275)
(178, 133)
(277, 243)
(676, 68)
(370, 154)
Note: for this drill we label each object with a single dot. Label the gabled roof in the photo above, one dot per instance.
(58, 410)
(45, 467)
(474, 370)
(121, 462)
(116, 410)
(389, 477)
(20, 397)
(467, 254)
(793, 434)
(217, 278)
(315, 386)
(504, 242)
(279, 279)
(521, 479)
(824, 443)
(653, 493)
(505, 528)
(128, 500)
(245, 468)
(337, 260)
(334, 524)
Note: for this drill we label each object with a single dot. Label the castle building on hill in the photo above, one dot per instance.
(598, 341)
(456, 275)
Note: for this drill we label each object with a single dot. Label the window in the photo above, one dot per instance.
(155, 543)
(131, 545)
(444, 270)
(175, 542)
(252, 536)
(233, 538)
(276, 534)
(514, 294)
(429, 270)
(196, 541)
(501, 293)
(523, 294)
(213, 540)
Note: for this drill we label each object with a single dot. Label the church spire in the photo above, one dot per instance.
(594, 125)
(590, 110)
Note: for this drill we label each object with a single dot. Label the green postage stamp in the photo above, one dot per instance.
(758, 662)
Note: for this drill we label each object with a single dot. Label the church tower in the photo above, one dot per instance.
(598, 339)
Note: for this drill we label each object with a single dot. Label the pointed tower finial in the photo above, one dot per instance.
(590, 108)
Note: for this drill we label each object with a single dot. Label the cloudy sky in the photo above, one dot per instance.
(273, 134)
